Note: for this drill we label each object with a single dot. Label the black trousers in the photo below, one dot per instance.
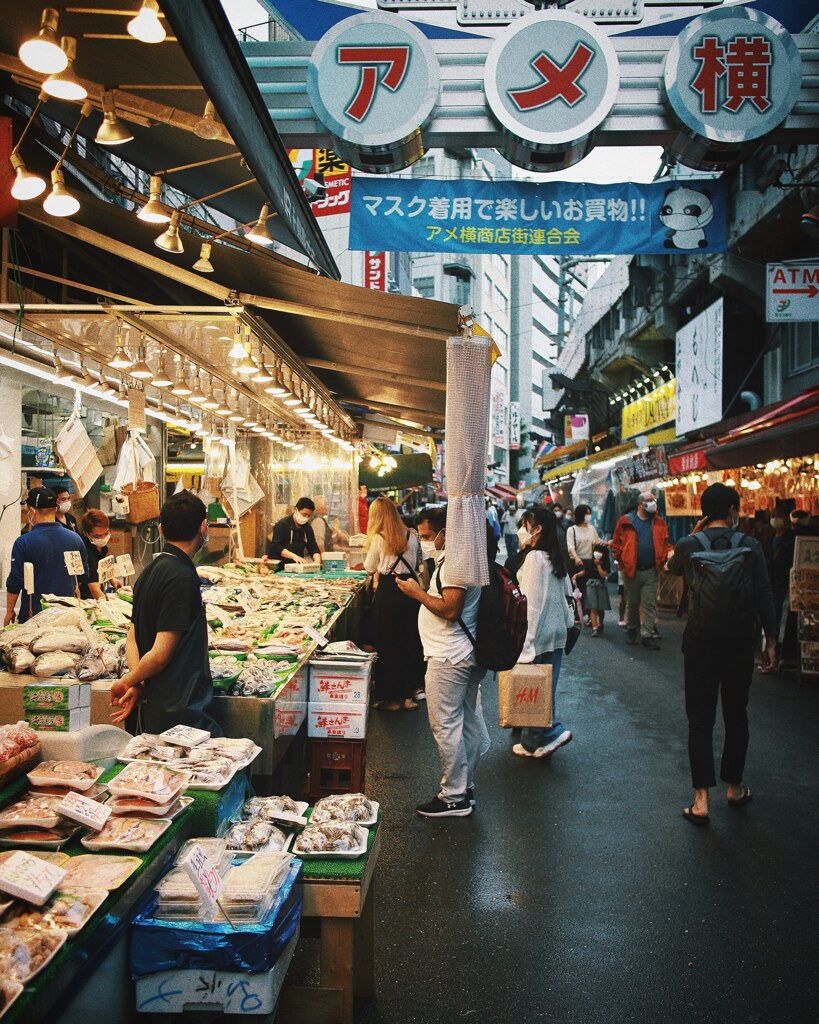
(715, 670)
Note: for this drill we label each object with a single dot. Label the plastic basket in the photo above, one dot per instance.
(143, 501)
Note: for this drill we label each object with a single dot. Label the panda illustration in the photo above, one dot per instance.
(686, 212)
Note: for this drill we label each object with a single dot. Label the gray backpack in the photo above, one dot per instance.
(721, 596)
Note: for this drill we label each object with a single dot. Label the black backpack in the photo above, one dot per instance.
(721, 595)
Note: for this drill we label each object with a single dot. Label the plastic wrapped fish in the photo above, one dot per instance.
(91, 666)
(110, 659)
(71, 641)
(55, 663)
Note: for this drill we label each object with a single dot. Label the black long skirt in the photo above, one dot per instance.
(399, 668)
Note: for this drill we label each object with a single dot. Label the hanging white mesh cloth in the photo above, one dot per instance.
(468, 375)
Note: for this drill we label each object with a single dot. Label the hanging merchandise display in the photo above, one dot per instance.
(78, 455)
(136, 479)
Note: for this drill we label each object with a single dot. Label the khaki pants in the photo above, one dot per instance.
(641, 600)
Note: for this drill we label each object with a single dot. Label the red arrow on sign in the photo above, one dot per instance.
(811, 292)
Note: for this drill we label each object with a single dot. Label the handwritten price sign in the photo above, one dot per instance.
(203, 874)
(73, 563)
(107, 569)
(87, 812)
(29, 878)
(185, 735)
(125, 567)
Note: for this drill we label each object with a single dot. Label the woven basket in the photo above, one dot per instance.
(20, 763)
(143, 501)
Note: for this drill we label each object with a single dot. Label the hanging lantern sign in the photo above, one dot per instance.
(730, 78)
(374, 82)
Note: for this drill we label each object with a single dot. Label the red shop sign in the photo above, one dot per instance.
(687, 462)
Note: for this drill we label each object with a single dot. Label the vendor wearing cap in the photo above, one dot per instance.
(44, 545)
(64, 516)
(293, 538)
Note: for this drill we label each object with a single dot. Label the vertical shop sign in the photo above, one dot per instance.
(323, 166)
(375, 271)
(8, 204)
(514, 426)
(500, 431)
(699, 370)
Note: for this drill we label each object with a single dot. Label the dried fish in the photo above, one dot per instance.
(71, 641)
(19, 659)
(90, 667)
(55, 663)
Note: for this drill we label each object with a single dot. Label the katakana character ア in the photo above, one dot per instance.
(711, 55)
(520, 236)
(537, 237)
(372, 203)
(486, 235)
(396, 206)
(484, 204)
(554, 237)
(439, 207)
(469, 235)
(595, 209)
(506, 209)
(417, 204)
(748, 60)
(390, 62)
(462, 208)
(327, 162)
(451, 235)
(617, 209)
(503, 236)
(524, 215)
(433, 231)
(571, 236)
(573, 210)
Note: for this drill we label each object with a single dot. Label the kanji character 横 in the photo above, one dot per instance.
(328, 162)
(462, 208)
(573, 210)
(503, 236)
(434, 231)
(396, 206)
(524, 215)
(486, 235)
(571, 236)
(451, 235)
(711, 55)
(554, 237)
(484, 204)
(506, 209)
(439, 207)
(417, 205)
(617, 209)
(468, 235)
(520, 236)
(372, 203)
(595, 209)
(537, 236)
(748, 60)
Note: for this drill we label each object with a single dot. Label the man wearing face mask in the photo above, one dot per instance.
(167, 647)
(95, 535)
(640, 547)
(293, 539)
(64, 516)
(781, 547)
(44, 545)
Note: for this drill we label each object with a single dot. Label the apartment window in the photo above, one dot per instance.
(501, 302)
(425, 286)
(803, 347)
(502, 338)
(424, 168)
(487, 288)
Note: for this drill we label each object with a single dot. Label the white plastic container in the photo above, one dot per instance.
(334, 561)
(336, 682)
(343, 721)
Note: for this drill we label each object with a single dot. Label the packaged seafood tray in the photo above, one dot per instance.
(24, 952)
(154, 782)
(139, 807)
(9, 991)
(137, 835)
(211, 776)
(276, 808)
(51, 857)
(345, 807)
(337, 840)
(32, 809)
(252, 835)
(96, 792)
(147, 747)
(65, 911)
(39, 838)
(98, 871)
(303, 568)
(77, 775)
(253, 877)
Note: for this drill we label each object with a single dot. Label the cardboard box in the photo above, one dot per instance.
(121, 543)
(56, 696)
(59, 721)
(340, 681)
(346, 721)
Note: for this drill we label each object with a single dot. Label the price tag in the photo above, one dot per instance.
(29, 878)
(185, 735)
(107, 569)
(320, 639)
(203, 874)
(86, 812)
(28, 577)
(73, 562)
(125, 567)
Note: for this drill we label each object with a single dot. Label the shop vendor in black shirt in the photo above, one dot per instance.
(167, 648)
(293, 538)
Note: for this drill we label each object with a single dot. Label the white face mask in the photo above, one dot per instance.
(299, 518)
(650, 507)
(100, 542)
(598, 555)
(558, 514)
(524, 536)
(64, 506)
(428, 549)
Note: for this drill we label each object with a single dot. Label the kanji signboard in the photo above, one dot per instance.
(324, 165)
(524, 218)
(699, 370)
(650, 411)
(375, 270)
(793, 292)
(732, 75)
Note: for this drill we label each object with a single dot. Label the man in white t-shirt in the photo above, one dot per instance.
(453, 676)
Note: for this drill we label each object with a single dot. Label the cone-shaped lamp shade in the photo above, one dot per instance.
(26, 185)
(162, 378)
(60, 202)
(153, 212)
(112, 132)
(42, 52)
(207, 127)
(203, 264)
(146, 26)
(169, 240)
(259, 233)
(65, 85)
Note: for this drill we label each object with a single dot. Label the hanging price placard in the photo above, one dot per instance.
(73, 563)
(124, 565)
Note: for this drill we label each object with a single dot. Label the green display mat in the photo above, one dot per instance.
(339, 869)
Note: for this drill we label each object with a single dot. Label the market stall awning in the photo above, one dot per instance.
(560, 453)
(411, 471)
(502, 492)
(790, 434)
(567, 469)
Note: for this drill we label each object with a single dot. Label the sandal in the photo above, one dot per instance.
(409, 705)
(745, 798)
(695, 819)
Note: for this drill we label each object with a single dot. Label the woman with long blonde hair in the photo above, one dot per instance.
(393, 550)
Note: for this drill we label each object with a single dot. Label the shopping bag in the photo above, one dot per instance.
(525, 696)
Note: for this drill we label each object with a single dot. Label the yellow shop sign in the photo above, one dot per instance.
(650, 411)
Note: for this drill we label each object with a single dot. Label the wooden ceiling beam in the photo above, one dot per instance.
(378, 374)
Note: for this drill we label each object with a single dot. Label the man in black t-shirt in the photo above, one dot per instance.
(293, 539)
(167, 647)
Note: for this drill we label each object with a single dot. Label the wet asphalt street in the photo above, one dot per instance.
(576, 892)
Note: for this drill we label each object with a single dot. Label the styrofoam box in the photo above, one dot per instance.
(288, 718)
(296, 689)
(344, 721)
(333, 682)
(204, 990)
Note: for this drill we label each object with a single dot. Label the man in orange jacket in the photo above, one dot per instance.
(640, 545)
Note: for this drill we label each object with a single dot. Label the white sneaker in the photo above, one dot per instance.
(521, 751)
(550, 748)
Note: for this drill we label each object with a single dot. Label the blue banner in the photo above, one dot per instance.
(559, 218)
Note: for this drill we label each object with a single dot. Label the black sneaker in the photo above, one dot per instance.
(470, 796)
(437, 808)
(655, 634)
(631, 636)
(650, 643)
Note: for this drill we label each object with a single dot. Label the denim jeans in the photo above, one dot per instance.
(534, 738)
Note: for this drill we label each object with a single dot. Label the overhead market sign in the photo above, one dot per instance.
(792, 294)
(652, 410)
(524, 218)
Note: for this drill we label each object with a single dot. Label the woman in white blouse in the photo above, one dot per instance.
(581, 539)
(393, 550)
(544, 582)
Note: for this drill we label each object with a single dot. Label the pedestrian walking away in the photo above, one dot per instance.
(640, 546)
(729, 592)
(544, 583)
(581, 538)
(453, 676)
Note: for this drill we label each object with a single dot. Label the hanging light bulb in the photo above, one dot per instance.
(250, 420)
(237, 416)
(222, 407)
(121, 360)
(60, 202)
(202, 429)
(210, 402)
(140, 370)
(26, 184)
(197, 395)
(162, 379)
(227, 439)
(146, 26)
(42, 52)
(65, 85)
(262, 374)
(87, 377)
(169, 240)
(181, 386)
(245, 367)
(203, 264)
(105, 387)
(207, 127)
(153, 212)
(259, 233)
(112, 132)
(238, 349)
(61, 372)
(276, 387)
